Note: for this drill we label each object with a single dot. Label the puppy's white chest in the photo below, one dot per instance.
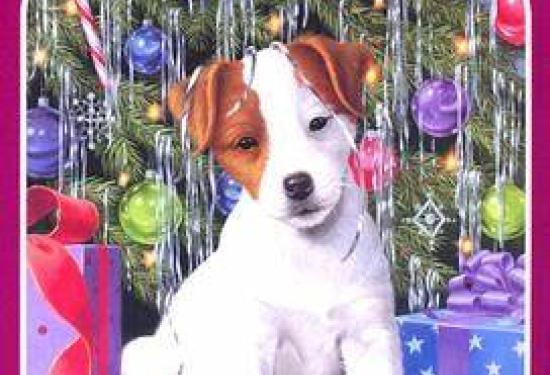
(308, 344)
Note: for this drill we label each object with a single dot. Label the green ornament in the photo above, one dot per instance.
(509, 217)
(140, 213)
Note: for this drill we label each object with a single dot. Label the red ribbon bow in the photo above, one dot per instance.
(59, 277)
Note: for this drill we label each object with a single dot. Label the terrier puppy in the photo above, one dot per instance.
(294, 287)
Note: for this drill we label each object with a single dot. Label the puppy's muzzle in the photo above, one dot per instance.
(298, 186)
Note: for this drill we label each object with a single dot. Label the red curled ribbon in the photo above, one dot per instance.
(57, 274)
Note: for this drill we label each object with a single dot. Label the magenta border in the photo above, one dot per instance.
(540, 331)
(9, 188)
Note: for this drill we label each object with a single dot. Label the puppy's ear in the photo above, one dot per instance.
(177, 99)
(336, 70)
(200, 104)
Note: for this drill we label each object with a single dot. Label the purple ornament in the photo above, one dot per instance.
(436, 107)
(42, 140)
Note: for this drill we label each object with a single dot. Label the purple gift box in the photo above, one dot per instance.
(48, 334)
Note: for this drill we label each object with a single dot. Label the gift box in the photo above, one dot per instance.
(447, 343)
(73, 290)
(65, 323)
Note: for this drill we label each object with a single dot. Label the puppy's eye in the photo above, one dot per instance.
(246, 143)
(318, 123)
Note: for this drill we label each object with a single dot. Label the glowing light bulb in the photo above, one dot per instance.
(466, 246)
(274, 24)
(70, 8)
(373, 75)
(449, 162)
(154, 112)
(462, 46)
(40, 57)
(379, 5)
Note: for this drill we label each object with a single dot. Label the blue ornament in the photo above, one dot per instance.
(485, 5)
(42, 141)
(144, 49)
(228, 192)
(519, 65)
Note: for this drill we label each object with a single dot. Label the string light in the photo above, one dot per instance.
(40, 57)
(70, 8)
(449, 161)
(466, 246)
(274, 24)
(462, 46)
(123, 179)
(149, 259)
(154, 112)
(379, 5)
(373, 75)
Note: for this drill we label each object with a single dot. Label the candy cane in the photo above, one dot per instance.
(92, 37)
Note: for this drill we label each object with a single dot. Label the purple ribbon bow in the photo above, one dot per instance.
(491, 284)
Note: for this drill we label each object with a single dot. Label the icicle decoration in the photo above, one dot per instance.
(342, 18)
(417, 289)
(498, 137)
(398, 21)
(225, 29)
(168, 249)
(289, 16)
(419, 79)
(508, 120)
(474, 60)
(131, 68)
(474, 207)
(384, 196)
(65, 102)
(466, 195)
(433, 283)
(174, 46)
(106, 215)
(111, 37)
(248, 14)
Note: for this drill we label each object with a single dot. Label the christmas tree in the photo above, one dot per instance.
(457, 174)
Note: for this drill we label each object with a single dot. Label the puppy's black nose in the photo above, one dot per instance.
(298, 186)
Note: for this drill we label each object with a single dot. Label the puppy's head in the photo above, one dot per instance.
(276, 124)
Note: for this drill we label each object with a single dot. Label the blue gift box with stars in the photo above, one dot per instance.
(461, 344)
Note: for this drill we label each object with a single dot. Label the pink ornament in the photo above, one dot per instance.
(373, 165)
(510, 21)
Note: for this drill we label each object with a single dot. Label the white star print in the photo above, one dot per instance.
(519, 348)
(415, 345)
(428, 371)
(493, 368)
(475, 342)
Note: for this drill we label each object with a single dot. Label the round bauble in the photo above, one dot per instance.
(508, 216)
(510, 22)
(42, 141)
(144, 49)
(228, 192)
(439, 107)
(148, 210)
(373, 165)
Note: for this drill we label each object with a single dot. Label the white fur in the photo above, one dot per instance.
(278, 296)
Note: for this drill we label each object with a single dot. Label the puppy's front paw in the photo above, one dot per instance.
(375, 352)
(149, 356)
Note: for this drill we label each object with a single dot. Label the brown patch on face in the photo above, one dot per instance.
(221, 112)
(336, 70)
